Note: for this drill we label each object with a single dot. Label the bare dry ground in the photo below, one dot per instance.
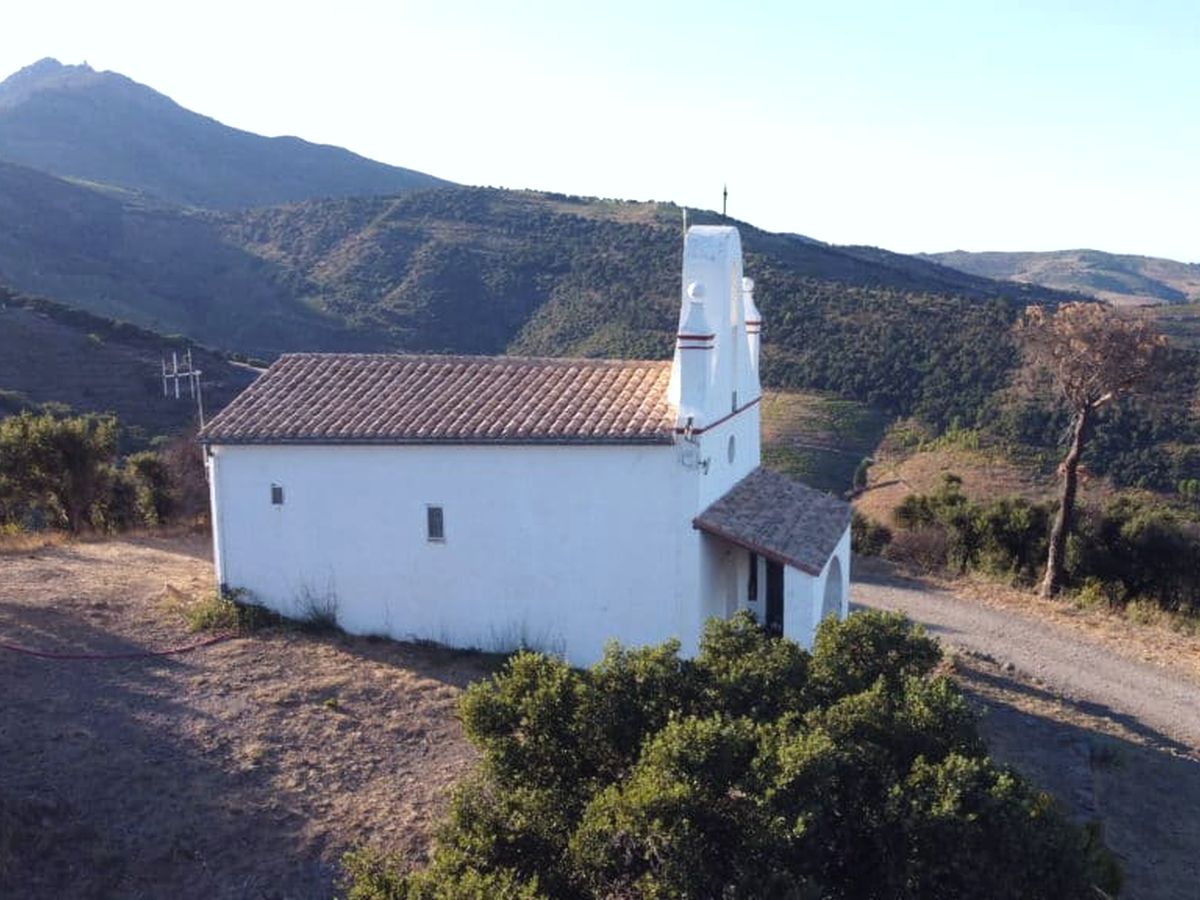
(240, 770)
(1103, 713)
(244, 769)
(1143, 789)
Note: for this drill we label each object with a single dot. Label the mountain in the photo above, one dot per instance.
(102, 127)
(480, 270)
(166, 269)
(1119, 279)
(50, 353)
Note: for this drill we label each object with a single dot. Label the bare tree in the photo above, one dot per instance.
(1093, 355)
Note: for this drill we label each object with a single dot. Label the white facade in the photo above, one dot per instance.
(554, 547)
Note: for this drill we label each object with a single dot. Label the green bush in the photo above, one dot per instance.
(1127, 550)
(1004, 537)
(227, 612)
(867, 536)
(61, 471)
(1140, 550)
(754, 770)
(56, 471)
(151, 481)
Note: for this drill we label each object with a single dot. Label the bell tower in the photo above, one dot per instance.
(715, 371)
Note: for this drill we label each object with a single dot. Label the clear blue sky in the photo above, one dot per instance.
(913, 126)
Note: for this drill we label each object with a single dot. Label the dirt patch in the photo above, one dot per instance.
(1143, 789)
(1168, 643)
(242, 769)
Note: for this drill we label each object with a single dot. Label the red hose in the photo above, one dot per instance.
(142, 654)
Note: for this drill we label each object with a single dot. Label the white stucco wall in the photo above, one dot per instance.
(804, 594)
(557, 548)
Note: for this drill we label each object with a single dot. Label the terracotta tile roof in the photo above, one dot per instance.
(369, 398)
(779, 518)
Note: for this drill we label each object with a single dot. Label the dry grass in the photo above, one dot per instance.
(984, 475)
(17, 543)
(243, 769)
(1150, 635)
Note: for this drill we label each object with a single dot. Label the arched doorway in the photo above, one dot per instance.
(831, 604)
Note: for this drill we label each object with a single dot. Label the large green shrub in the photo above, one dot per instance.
(867, 536)
(1139, 550)
(59, 471)
(754, 770)
(56, 471)
(1005, 536)
(1129, 548)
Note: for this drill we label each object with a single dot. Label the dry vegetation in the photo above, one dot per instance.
(896, 474)
(239, 770)
(244, 769)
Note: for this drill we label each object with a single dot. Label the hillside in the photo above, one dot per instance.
(490, 271)
(164, 269)
(53, 354)
(102, 127)
(1119, 279)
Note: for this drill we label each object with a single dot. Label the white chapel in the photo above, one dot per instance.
(555, 504)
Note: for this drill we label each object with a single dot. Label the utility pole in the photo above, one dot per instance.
(724, 201)
(173, 374)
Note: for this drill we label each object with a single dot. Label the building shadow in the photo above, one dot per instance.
(104, 793)
(1140, 786)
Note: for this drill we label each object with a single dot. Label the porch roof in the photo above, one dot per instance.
(779, 518)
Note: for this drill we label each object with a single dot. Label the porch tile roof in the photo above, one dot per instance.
(779, 518)
(327, 398)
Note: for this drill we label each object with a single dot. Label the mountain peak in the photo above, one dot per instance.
(41, 67)
(103, 127)
(46, 73)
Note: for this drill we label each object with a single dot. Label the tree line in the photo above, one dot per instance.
(66, 472)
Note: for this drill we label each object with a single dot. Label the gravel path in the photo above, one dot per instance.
(1160, 704)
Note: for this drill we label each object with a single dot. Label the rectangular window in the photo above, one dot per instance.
(277, 494)
(435, 523)
(752, 588)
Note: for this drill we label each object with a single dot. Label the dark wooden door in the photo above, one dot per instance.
(774, 622)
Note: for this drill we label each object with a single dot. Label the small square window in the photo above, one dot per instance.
(277, 494)
(435, 523)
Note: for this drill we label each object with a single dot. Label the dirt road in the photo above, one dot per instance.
(1160, 704)
(1114, 737)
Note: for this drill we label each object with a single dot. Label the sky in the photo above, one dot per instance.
(915, 126)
